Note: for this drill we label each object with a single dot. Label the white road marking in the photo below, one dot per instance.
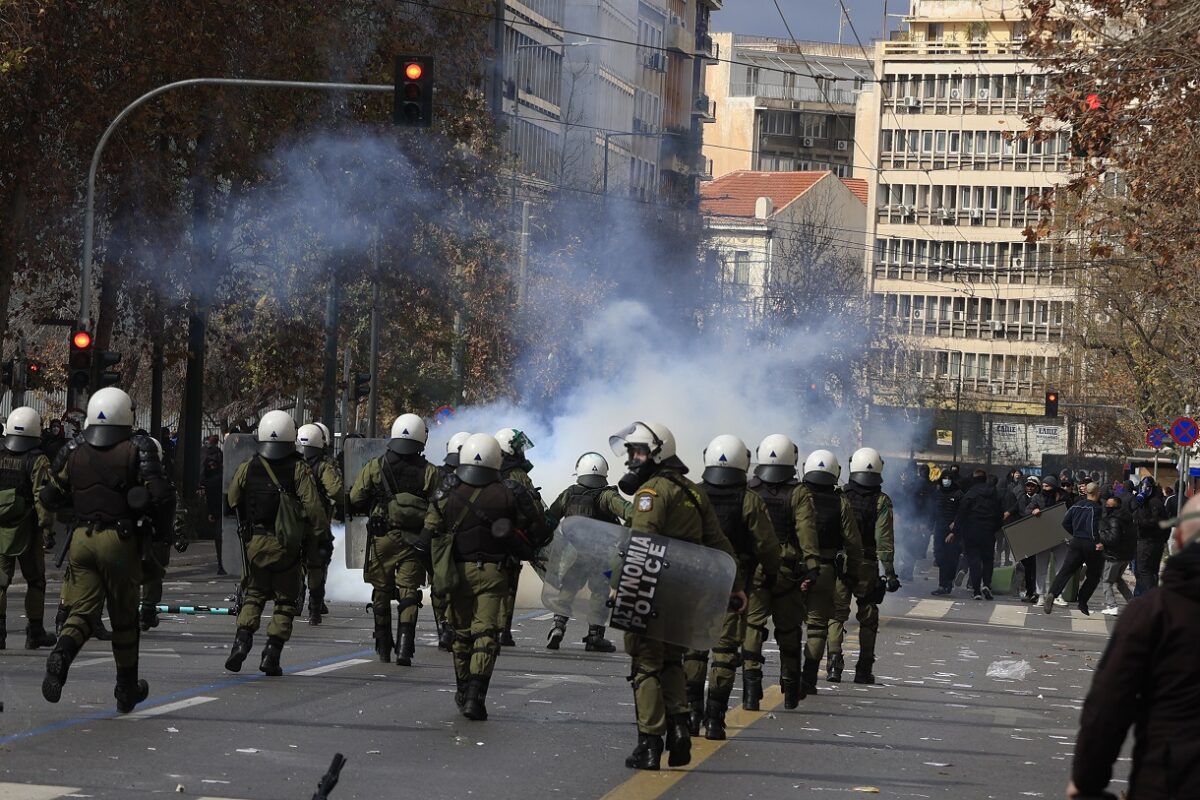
(550, 681)
(1008, 615)
(931, 609)
(544, 617)
(350, 662)
(168, 708)
(28, 791)
(88, 662)
(1088, 624)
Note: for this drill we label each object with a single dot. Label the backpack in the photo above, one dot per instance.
(291, 524)
(16, 511)
(405, 507)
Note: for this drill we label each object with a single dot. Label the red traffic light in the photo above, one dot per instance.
(1052, 397)
(1093, 101)
(413, 71)
(81, 340)
(34, 366)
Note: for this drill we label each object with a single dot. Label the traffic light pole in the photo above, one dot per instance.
(373, 397)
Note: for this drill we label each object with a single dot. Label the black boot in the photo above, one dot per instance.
(100, 632)
(695, 700)
(555, 637)
(3, 632)
(679, 741)
(862, 671)
(383, 642)
(270, 657)
(460, 693)
(473, 704)
(130, 689)
(835, 667)
(714, 715)
(148, 618)
(57, 665)
(243, 640)
(35, 636)
(60, 618)
(506, 638)
(405, 636)
(316, 605)
(647, 754)
(445, 636)
(752, 691)
(808, 676)
(792, 692)
(595, 642)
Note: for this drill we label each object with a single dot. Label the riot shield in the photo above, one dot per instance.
(665, 589)
(1032, 535)
(236, 450)
(356, 454)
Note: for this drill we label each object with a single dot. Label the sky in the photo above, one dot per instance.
(810, 20)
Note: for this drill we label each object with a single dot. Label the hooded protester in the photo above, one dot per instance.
(1149, 508)
(1149, 678)
(946, 548)
(1051, 495)
(975, 523)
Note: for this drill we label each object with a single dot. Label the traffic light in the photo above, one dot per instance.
(79, 362)
(413, 102)
(362, 385)
(33, 374)
(1051, 403)
(105, 376)
(7, 380)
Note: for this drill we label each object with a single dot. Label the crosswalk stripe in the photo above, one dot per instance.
(931, 609)
(27, 791)
(1084, 624)
(321, 670)
(166, 708)
(1014, 616)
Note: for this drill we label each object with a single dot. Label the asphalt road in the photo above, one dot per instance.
(560, 723)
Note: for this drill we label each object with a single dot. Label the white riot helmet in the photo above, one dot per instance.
(654, 436)
(866, 467)
(109, 417)
(513, 442)
(22, 430)
(453, 446)
(276, 434)
(777, 457)
(409, 435)
(310, 440)
(325, 432)
(479, 460)
(822, 468)
(726, 461)
(591, 470)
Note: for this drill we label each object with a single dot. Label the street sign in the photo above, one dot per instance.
(1156, 437)
(1185, 431)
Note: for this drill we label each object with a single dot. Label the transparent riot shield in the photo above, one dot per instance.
(661, 588)
(1031, 535)
(357, 454)
(236, 450)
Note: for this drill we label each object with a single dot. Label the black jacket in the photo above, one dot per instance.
(947, 500)
(1083, 520)
(1147, 515)
(1149, 677)
(1118, 523)
(978, 512)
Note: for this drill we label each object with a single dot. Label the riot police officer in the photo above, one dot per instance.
(746, 524)
(438, 601)
(111, 478)
(666, 503)
(156, 557)
(483, 527)
(280, 521)
(873, 515)
(24, 521)
(775, 482)
(396, 489)
(515, 466)
(590, 496)
(313, 445)
(450, 462)
(828, 535)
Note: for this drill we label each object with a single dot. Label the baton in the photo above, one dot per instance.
(330, 779)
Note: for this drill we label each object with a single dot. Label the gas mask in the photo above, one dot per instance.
(640, 467)
(947, 483)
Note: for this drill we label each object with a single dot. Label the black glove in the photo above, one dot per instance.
(893, 583)
(181, 544)
(810, 577)
(422, 544)
(769, 579)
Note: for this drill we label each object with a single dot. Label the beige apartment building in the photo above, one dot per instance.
(951, 185)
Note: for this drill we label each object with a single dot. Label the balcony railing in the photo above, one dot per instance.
(709, 50)
(803, 94)
(975, 47)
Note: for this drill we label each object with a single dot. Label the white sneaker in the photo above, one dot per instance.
(1110, 611)
(1058, 601)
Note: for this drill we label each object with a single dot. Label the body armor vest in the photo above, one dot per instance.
(829, 518)
(865, 504)
(472, 528)
(262, 498)
(403, 476)
(728, 503)
(100, 479)
(585, 502)
(14, 473)
(778, 499)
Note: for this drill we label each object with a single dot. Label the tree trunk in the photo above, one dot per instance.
(11, 229)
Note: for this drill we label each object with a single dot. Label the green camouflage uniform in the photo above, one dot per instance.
(878, 547)
(330, 487)
(519, 474)
(21, 542)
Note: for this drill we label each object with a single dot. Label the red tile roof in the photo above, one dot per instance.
(858, 186)
(735, 194)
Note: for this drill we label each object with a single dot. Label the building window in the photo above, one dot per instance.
(780, 123)
(741, 267)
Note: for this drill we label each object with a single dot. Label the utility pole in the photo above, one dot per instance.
(156, 385)
(523, 255)
(329, 381)
(373, 397)
(344, 415)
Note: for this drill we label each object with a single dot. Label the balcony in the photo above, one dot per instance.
(953, 48)
(798, 94)
(678, 38)
(709, 50)
(704, 108)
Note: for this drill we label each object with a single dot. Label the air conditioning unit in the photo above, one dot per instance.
(808, 142)
(959, 316)
(956, 94)
(907, 211)
(983, 94)
(843, 145)
(997, 326)
(1018, 263)
(911, 102)
(918, 313)
(947, 214)
(976, 213)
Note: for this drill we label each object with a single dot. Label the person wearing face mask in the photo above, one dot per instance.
(1149, 678)
(1051, 494)
(514, 466)
(666, 503)
(946, 548)
(1020, 508)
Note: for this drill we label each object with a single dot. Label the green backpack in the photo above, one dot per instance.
(15, 518)
(405, 509)
(291, 523)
